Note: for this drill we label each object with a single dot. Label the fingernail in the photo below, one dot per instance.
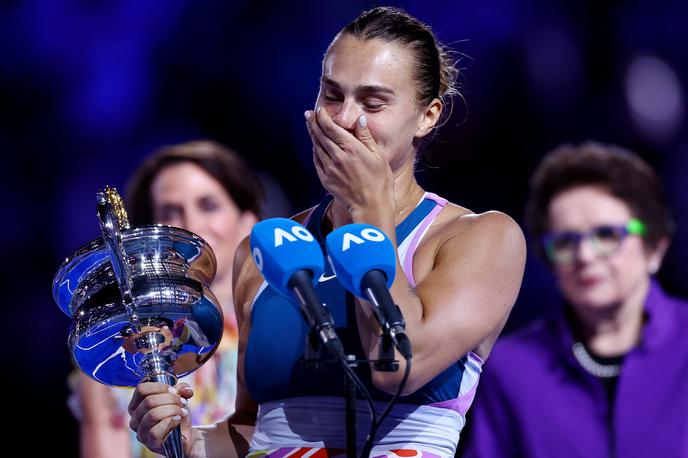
(176, 418)
(307, 114)
(184, 401)
(362, 121)
(317, 110)
(172, 390)
(185, 412)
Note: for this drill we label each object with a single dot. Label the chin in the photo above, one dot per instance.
(593, 298)
(594, 304)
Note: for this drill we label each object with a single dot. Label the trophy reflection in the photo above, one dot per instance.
(140, 302)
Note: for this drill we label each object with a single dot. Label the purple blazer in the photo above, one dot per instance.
(535, 400)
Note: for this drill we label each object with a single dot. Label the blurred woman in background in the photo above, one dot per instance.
(207, 189)
(606, 374)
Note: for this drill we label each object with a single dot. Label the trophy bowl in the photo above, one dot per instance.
(170, 271)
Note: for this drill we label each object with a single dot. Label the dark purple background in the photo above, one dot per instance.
(88, 88)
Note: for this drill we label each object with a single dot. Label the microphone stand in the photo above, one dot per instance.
(321, 334)
(385, 359)
(313, 360)
(350, 410)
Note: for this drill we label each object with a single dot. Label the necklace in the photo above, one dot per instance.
(592, 366)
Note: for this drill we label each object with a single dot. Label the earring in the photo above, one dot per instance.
(653, 268)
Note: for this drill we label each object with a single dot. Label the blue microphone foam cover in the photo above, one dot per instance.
(281, 247)
(356, 249)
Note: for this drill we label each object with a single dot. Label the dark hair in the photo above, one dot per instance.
(624, 174)
(435, 71)
(216, 160)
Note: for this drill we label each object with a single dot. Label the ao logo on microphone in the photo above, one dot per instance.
(258, 258)
(296, 231)
(293, 234)
(369, 233)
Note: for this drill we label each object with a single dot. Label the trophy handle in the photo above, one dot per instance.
(112, 216)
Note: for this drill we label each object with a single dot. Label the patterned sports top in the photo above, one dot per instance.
(303, 407)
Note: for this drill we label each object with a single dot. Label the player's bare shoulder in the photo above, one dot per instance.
(500, 228)
(247, 278)
(457, 227)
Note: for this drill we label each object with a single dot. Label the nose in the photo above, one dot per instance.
(182, 221)
(181, 218)
(585, 252)
(193, 224)
(346, 114)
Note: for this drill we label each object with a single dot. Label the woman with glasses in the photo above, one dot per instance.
(606, 374)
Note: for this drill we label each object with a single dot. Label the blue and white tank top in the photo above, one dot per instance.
(286, 389)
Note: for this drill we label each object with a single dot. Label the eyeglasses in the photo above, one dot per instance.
(561, 247)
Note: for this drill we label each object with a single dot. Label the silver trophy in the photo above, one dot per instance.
(140, 302)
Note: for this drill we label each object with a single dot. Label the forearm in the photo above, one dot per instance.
(467, 279)
(402, 292)
(103, 430)
(103, 441)
(369, 330)
(223, 439)
(404, 297)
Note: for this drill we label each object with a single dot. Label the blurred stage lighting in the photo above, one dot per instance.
(654, 97)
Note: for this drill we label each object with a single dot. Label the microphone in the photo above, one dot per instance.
(365, 262)
(291, 261)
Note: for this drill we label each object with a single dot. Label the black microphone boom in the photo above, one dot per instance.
(316, 314)
(374, 284)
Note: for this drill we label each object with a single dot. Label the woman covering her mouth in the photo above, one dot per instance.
(384, 87)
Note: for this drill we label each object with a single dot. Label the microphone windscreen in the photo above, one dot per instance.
(281, 247)
(356, 249)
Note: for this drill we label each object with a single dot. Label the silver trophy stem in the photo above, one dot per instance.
(158, 368)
